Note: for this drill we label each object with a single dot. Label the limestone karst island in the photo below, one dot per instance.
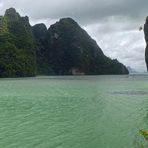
(59, 88)
(62, 49)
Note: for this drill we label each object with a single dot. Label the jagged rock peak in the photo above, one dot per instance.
(12, 14)
(39, 30)
(41, 27)
(10, 11)
(25, 19)
(66, 22)
(67, 19)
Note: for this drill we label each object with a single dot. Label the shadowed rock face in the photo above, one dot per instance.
(42, 58)
(146, 39)
(71, 47)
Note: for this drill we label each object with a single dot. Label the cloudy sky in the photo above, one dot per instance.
(114, 24)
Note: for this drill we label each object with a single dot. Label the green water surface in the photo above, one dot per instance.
(73, 112)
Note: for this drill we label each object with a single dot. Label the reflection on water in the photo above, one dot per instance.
(141, 138)
(132, 92)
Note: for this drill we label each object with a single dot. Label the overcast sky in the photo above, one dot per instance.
(114, 24)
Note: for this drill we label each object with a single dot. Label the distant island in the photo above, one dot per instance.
(131, 70)
(62, 49)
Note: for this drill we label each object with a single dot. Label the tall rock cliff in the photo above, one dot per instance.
(17, 50)
(42, 52)
(146, 39)
(72, 50)
(63, 49)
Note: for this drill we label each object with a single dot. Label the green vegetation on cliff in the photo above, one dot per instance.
(64, 48)
(17, 50)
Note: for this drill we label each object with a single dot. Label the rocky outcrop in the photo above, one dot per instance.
(42, 52)
(17, 50)
(71, 47)
(146, 39)
(63, 49)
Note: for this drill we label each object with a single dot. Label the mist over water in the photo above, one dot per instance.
(73, 112)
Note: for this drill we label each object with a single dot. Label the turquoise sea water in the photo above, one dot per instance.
(74, 112)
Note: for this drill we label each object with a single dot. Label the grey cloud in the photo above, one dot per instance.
(128, 46)
(84, 11)
(113, 24)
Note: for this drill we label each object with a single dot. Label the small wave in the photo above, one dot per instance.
(130, 92)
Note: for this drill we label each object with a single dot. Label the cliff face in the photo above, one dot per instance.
(42, 52)
(70, 47)
(146, 39)
(64, 48)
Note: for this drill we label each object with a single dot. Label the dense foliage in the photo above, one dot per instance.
(17, 50)
(64, 47)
